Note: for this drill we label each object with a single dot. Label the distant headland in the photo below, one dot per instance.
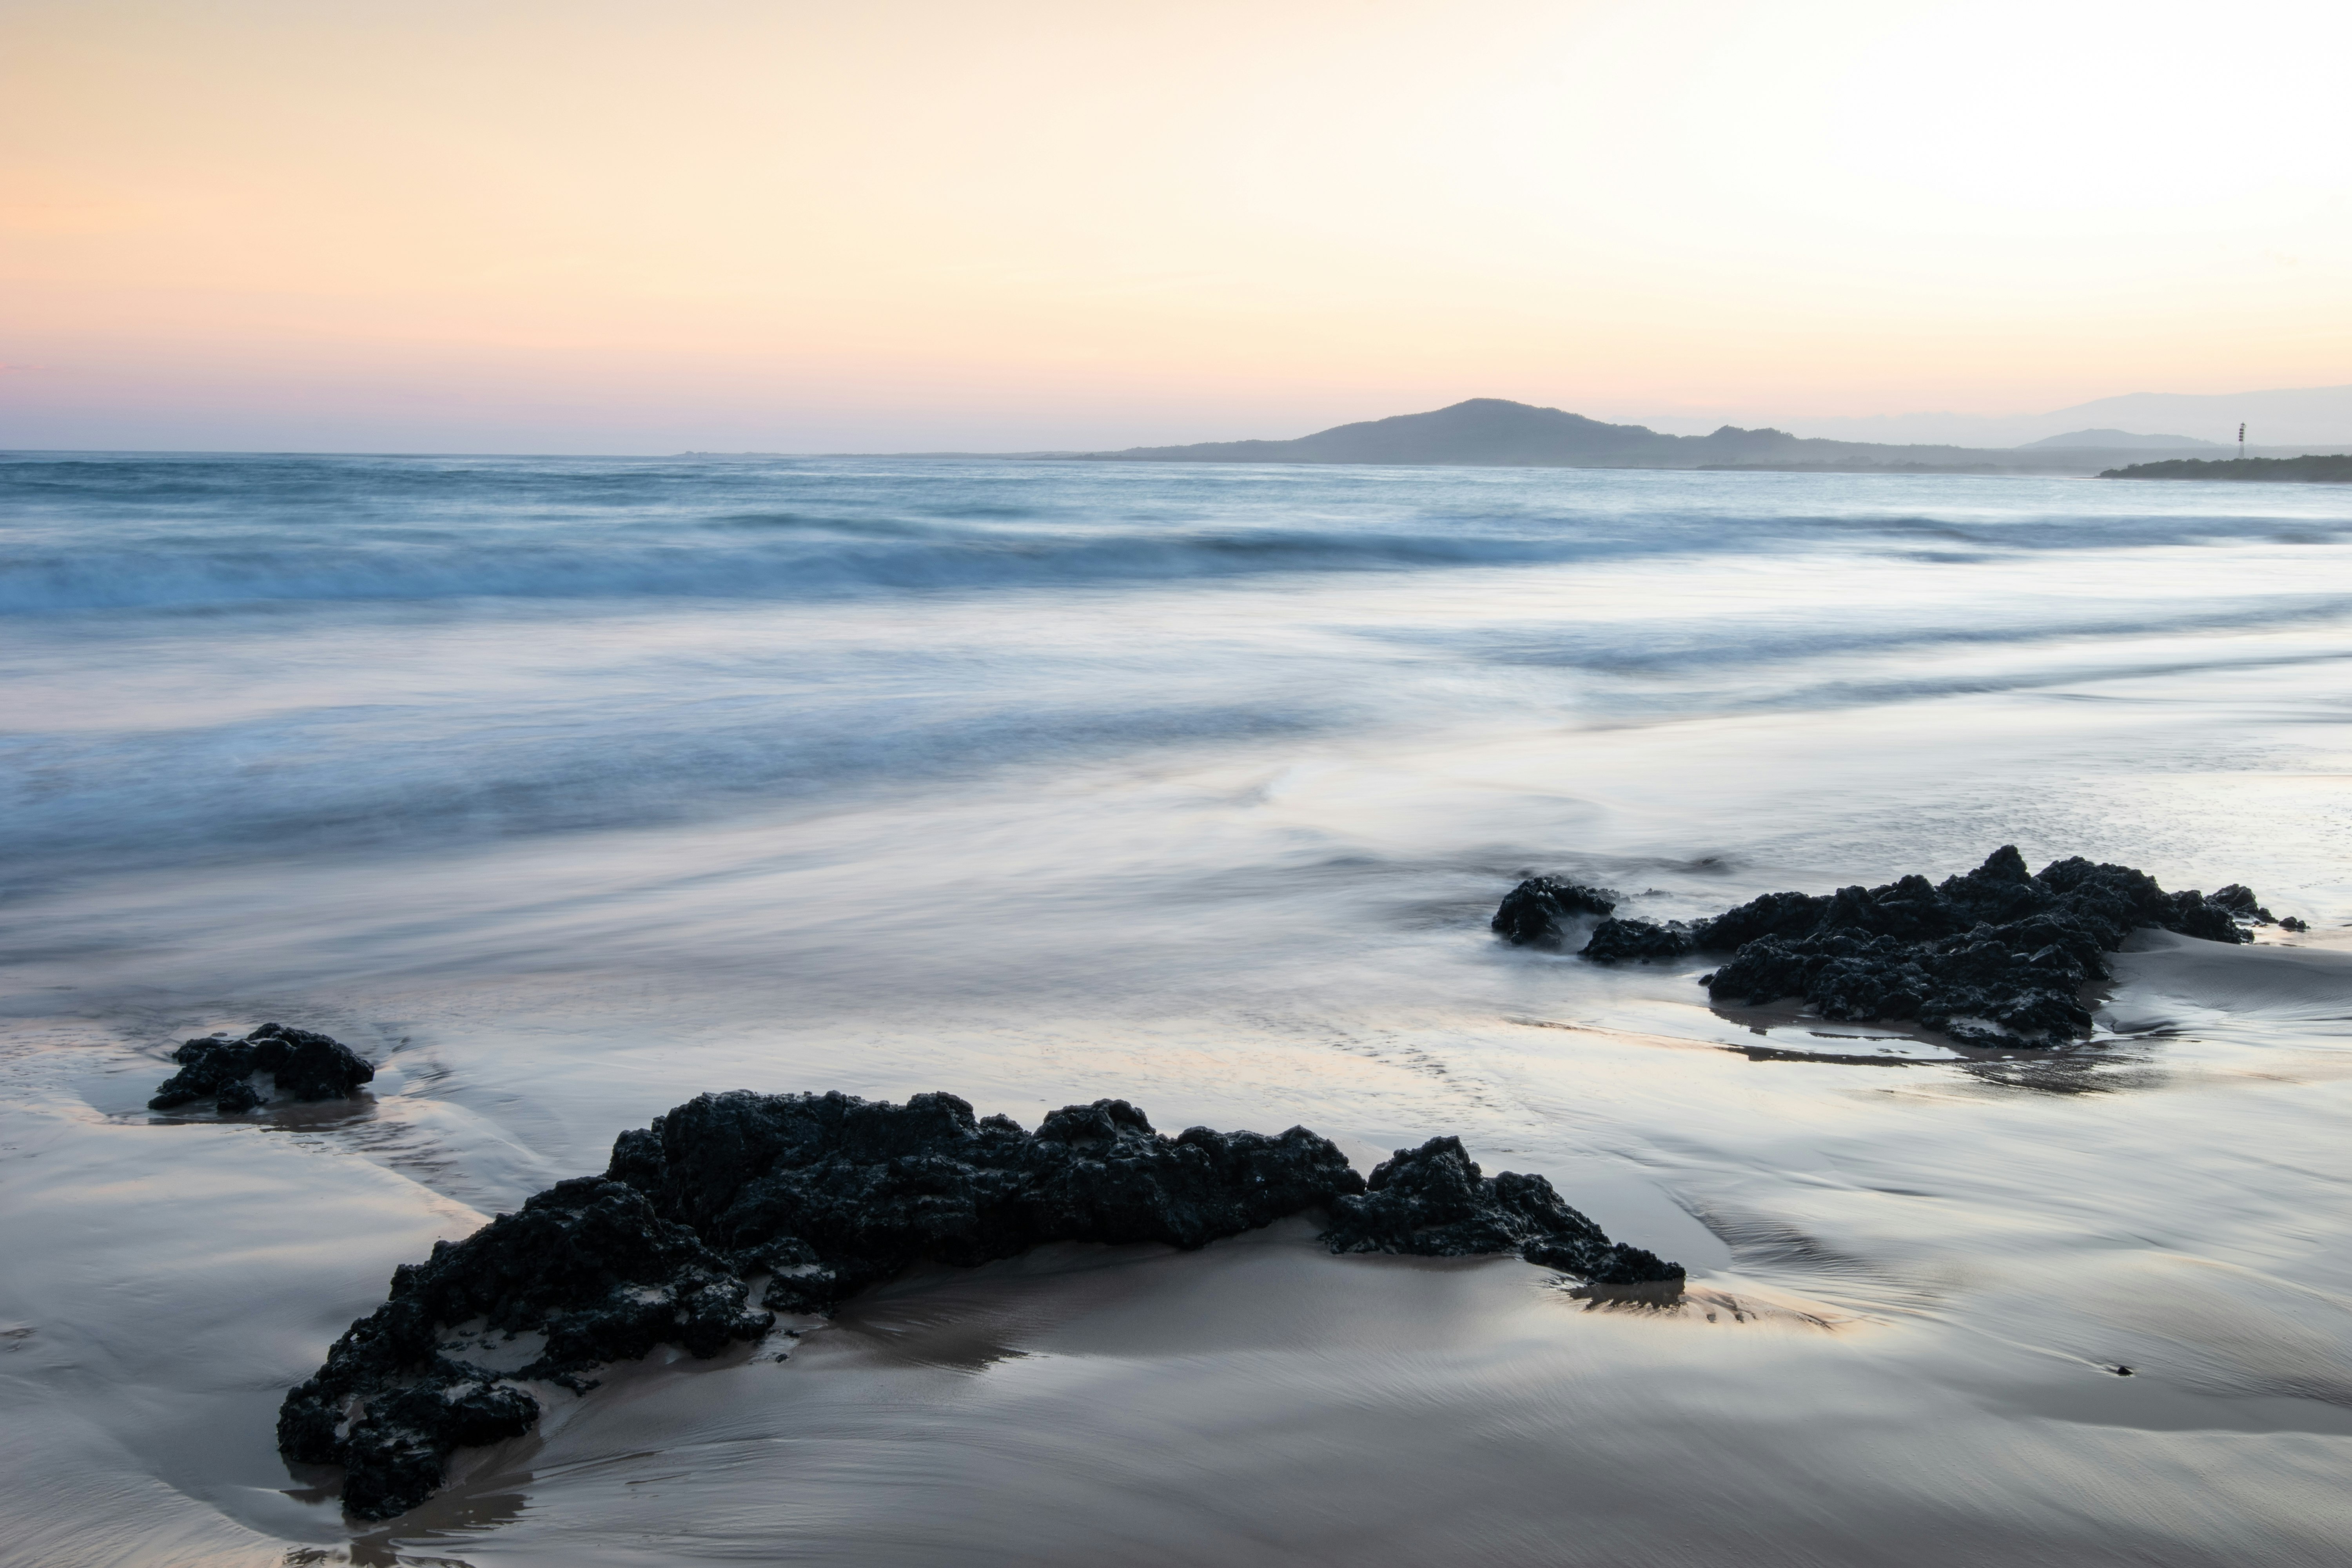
(1495, 432)
(2312, 469)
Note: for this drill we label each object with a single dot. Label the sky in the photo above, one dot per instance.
(909, 225)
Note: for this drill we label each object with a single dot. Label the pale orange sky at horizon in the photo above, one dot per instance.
(722, 224)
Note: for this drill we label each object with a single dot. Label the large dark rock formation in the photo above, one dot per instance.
(821, 1196)
(1997, 957)
(301, 1063)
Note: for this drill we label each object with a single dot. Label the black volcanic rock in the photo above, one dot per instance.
(1433, 1202)
(2239, 900)
(587, 1263)
(1536, 910)
(1774, 914)
(822, 1195)
(301, 1063)
(865, 1189)
(1996, 957)
(397, 1458)
(1616, 941)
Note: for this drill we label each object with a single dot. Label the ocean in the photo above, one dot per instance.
(567, 789)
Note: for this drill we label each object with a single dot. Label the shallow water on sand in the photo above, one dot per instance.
(567, 790)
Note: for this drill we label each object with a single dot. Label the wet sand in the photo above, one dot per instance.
(1904, 1346)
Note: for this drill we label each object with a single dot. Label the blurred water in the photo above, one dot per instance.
(571, 788)
(205, 656)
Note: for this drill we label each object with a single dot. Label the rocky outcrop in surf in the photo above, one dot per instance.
(300, 1063)
(806, 1198)
(1541, 910)
(1997, 957)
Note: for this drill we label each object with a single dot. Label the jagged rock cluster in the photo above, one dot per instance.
(1997, 957)
(301, 1063)
(821, 1196)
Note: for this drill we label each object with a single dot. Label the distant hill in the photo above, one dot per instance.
(1496, 431)
(2309, 470)
(2119, 441)
(1482, 430)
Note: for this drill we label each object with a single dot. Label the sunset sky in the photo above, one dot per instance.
(911, 223)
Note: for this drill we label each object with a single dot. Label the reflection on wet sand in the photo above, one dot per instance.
(2085, 1067)
(1291, 1406)
(1703, 1302)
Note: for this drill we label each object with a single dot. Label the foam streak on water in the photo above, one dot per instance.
(568, 789)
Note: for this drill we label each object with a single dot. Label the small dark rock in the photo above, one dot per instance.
(1538, 909)
(2293, 922)
(827, 1193)
(302, 1063)
(1615, 940)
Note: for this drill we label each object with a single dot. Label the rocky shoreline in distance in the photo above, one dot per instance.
(2312, 468)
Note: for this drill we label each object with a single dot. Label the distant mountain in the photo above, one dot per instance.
(2118, 441)
(1482, 430)
(1494, 431)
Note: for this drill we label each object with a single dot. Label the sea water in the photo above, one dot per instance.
(566, 789)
